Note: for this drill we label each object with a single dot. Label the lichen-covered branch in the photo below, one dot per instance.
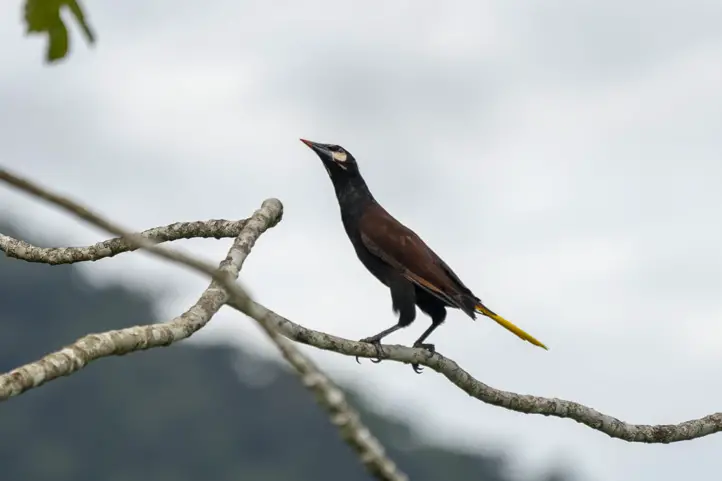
(614, 427)
(216, 228)
(369, 449)
(331, 397)
(77, 355)
(523, 403)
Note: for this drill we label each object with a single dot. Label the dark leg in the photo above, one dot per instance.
(376, 341)
(403, 298)
(420, 341)
(435, 309)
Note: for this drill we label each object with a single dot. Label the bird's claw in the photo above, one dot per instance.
(429, 347)
(377, 344)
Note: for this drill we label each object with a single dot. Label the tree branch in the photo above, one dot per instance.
(342, 414)
(613, 427)
(523, 403)
(216, 228)
(74, 357)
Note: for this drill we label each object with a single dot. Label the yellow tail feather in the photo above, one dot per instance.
(509, 326)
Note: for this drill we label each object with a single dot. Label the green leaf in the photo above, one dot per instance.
(43, 16)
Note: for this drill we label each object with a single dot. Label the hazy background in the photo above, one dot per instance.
(564, 158)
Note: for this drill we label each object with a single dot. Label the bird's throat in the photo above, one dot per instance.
(353, 196)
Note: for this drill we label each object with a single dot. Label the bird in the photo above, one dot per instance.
(395, 255)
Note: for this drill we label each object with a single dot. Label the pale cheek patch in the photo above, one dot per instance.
(340, 158)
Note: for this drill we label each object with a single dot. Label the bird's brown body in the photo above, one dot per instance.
(397, 256)
(400, 247)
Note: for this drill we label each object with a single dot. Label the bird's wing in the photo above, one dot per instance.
(401, 248)
(405, 251)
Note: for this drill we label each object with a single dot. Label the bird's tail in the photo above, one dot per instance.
(480, 308)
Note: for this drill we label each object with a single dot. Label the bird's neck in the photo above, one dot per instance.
(353, 196)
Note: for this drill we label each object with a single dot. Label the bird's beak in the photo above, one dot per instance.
(320, 149)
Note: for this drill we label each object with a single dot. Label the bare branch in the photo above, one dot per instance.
(616, 428)
(523, 403)
(135, 240)
(664, 433)
(216, 228)
(369, 449)
(74, 357)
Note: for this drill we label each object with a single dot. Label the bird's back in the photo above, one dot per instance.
(401, 248)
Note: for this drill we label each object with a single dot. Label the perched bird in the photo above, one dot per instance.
(397, 257)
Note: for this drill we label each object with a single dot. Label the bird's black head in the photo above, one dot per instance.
(339, 162)
(351, 189)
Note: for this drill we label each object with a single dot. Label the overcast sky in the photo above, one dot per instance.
(564, 158)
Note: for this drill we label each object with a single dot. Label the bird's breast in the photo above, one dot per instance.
(373, 264)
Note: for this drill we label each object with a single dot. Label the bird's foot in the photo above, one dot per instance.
(377, 343)
(429, 347)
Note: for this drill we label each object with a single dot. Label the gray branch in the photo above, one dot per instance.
(74, 357)
(613, 427)
(88, 348)
(523, 403)
(217, 228)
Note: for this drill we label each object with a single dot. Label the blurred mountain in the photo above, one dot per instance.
(180, 413)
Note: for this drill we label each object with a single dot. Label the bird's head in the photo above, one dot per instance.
(339, 162)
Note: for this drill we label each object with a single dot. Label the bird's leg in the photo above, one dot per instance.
(403, 297)
(437, 312)
(428, 346)
(420, 341)
(376, 341)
